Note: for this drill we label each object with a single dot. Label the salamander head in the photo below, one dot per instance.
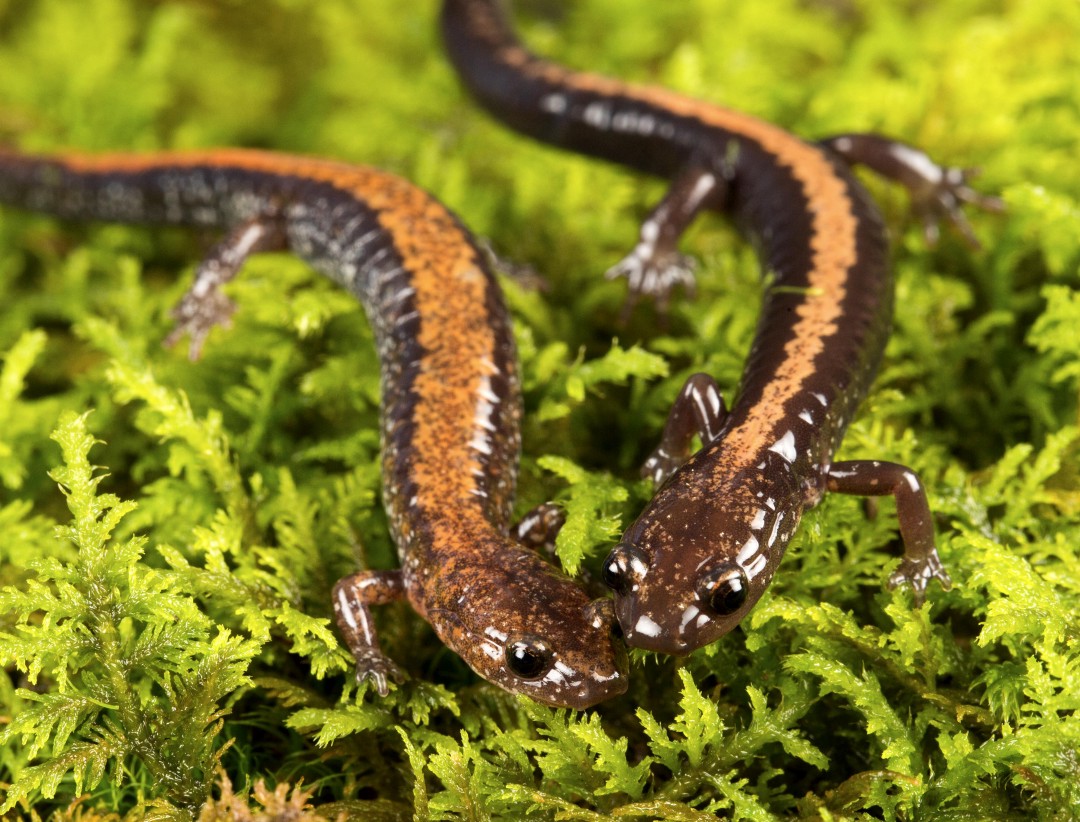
(698, 559)
(532, 631)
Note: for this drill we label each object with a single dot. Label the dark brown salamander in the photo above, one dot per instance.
(707, 545)
(451, 402)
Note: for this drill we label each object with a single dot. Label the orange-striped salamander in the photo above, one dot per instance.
(705, 548)
(451, 402)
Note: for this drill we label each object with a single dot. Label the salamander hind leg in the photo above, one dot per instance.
(204, 306)
(699, 409)
(655, 267)
(353, 597)
(920, 563)
(937, 192)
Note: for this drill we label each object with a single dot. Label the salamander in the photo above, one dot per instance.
(451, 400)
(705, 548)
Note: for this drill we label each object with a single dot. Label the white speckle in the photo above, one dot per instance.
(406, 318)
(709, 402)
(646, 627)
(749, 549)
(554, 103)
(598, 114)
(912, 480)
(757, 566)
(820, 398)
(758, 522)
(917, 162)
(785, 447)
(403, 294)
(842, 144)
(775, 528)
(649, 231)
(702, 186)
(484, 407)
(770, 503)
(481, 443)
(375, 259)
(691, 612)
(557, 675)
(598, 678)
(387, 275)
(806, 417)
(495, 633)
(343, 610)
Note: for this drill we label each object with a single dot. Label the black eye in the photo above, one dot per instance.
(724, 590)
(624, 567)
(529, 658)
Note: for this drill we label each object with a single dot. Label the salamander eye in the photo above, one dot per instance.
(624, 567)
(529, 657)
(724, 591)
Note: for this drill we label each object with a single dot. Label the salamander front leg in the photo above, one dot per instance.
(871, 478)
(539, 527)
(699, 409)
(937, 192)
(655, 266)
(353, 597)
(537, 531)
(204, 306)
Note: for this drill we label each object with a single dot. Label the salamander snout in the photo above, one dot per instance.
(535, 632)
(669, 608)
(679, 618)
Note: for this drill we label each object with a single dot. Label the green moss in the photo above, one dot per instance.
(168, 613)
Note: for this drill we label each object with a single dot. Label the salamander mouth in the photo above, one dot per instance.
(645, 633)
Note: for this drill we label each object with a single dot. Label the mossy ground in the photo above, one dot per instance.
(239, 487)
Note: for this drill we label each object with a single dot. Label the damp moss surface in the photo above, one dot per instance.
(170, 531)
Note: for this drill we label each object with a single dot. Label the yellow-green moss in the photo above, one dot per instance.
(142, 649)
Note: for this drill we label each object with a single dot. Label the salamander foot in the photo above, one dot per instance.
(653, 273)
(196, 315)
(380, 670)
(918, 573)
